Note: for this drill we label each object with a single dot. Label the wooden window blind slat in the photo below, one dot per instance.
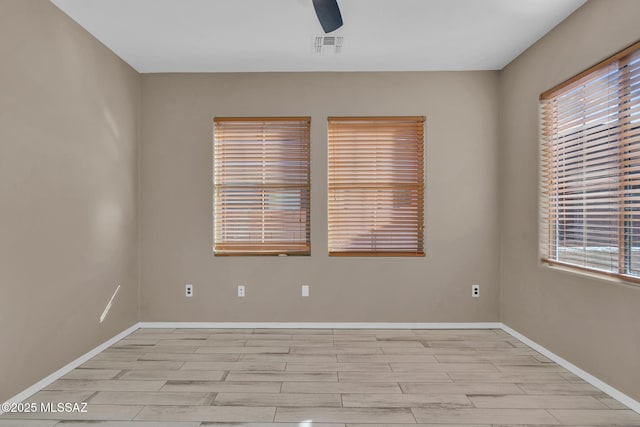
(376, 186)
(590, 169)
(261, 186)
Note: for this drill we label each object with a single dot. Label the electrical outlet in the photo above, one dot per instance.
(475, 291)
(305, 290)
(240, 290)
(188, 290)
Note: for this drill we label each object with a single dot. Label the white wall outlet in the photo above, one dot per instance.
(188, 290)
(475, 291)
(305, 290)
(240, 290)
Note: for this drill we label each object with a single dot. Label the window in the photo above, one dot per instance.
(590, 169)
(261, 186)
(376, 186)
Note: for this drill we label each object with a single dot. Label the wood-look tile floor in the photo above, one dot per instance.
(328, 378)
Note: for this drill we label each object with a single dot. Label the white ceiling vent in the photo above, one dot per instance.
(327, 45)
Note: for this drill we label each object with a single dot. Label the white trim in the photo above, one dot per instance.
(318, 325)
(606, 388)
(597, 383)
(69, 367)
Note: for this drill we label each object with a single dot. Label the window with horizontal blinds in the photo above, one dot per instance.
(376, 186)
(590, 169)
(261, 186)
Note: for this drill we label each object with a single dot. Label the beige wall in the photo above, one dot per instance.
(461, 221)
(68, 188)
(591, 322)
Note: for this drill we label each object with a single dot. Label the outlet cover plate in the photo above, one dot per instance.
(475, 291)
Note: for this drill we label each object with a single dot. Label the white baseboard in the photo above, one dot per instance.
(319, 325)
(69, 367)
(606, 388)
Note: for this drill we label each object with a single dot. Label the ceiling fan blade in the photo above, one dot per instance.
(328, 14)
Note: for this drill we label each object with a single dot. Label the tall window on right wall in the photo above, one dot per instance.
(376, 186)
(590, 169)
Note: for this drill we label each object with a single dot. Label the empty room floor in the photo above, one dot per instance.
(329, 377)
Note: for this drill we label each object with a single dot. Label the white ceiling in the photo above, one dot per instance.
(277, 35)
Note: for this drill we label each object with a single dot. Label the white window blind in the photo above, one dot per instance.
(590, 169)
(261, 185)
(376, 186)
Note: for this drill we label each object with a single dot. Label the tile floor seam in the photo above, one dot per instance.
(138, 413)
(555, 418)
(91, 396)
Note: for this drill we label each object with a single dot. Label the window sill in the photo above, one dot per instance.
(601, 276)
(285, 255)
(377, 254)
